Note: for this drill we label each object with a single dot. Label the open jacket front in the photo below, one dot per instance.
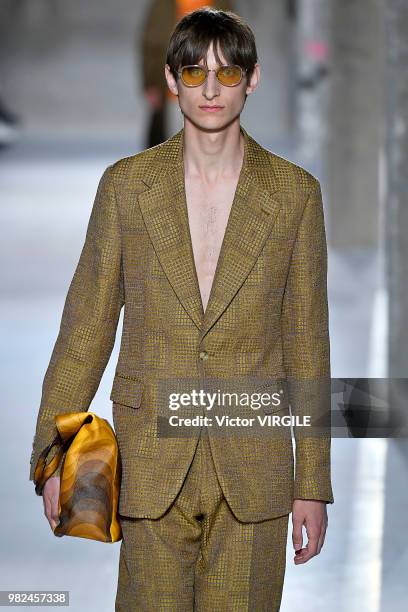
(266, 319)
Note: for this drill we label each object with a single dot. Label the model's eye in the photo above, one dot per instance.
(195, 72)
(229, 75)
(193, 75)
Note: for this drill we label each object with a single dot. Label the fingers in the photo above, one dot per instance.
(322, 534)
(321, 541)
(297, 536)
(48, 511)
(54, 510)
(51, 501)
(316, 536)
(309, 551)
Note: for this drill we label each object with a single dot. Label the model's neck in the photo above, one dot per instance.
(211, 156)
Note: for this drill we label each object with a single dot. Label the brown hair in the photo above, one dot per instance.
(193, 34)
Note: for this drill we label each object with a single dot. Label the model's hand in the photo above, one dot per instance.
(50, 498)
(313, 515)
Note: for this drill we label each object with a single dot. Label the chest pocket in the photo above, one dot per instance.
(278, 392)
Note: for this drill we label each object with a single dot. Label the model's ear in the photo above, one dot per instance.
(254, 81)
(171, 81)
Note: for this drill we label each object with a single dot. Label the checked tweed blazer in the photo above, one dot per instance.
(266, 319)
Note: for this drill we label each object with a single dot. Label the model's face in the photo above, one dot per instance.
(226, 102)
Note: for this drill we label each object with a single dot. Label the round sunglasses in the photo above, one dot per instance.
(195, 75)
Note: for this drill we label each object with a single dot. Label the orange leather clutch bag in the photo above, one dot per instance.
(90, 476)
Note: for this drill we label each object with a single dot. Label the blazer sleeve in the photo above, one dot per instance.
(306, 346)
(89, 321)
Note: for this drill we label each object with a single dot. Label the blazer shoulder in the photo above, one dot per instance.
(288, 174)
(133, 167)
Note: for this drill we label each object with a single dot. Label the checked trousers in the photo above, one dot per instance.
(198, 556)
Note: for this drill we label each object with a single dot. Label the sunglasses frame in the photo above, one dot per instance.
(207, 70)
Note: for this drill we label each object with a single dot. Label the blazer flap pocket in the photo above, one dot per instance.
(127, 391)
(273, 395)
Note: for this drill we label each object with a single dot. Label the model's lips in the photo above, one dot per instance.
(211, 109)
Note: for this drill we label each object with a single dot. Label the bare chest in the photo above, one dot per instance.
(208, 212)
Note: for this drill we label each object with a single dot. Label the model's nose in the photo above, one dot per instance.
(211, 86)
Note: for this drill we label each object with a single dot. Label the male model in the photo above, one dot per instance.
(216, 247)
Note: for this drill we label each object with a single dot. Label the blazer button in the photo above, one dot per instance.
(203, 355)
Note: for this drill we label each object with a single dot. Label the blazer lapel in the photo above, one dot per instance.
(164, 207)
(166, 218)
(251, 219)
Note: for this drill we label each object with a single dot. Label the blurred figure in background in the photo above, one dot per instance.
(165, 118)
(9, 124)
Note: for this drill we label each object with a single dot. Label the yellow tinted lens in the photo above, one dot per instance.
(229, 75)
(193, 75)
